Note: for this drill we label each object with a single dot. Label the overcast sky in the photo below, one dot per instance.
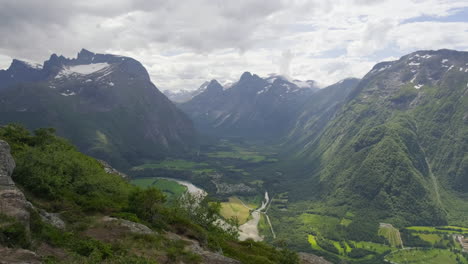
(184, 43)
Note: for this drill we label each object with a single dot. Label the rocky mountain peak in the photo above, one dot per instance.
(245, 76)
(84, 53)
(214, 86)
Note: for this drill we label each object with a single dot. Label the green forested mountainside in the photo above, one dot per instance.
(318, 110)
(115, 113)
(397, 149)
(57, 178)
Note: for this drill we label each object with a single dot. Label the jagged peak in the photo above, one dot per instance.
(84, 53)
(246, 76)
(22, 64)
(214, 85)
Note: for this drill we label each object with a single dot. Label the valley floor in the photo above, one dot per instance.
(238, 174)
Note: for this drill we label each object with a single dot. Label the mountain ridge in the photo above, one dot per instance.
(97, 100)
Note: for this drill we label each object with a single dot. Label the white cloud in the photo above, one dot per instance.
(184, 44)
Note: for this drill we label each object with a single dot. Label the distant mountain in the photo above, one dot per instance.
(178, 96)
(106, 104)
(396, 148)
(252, 107)
(183, 96)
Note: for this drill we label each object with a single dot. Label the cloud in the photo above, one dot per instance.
(184, 44)
(285, 63)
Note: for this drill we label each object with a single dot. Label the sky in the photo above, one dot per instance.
(184, 43)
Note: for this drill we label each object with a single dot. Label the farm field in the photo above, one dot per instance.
(425, 256)
(171, 188)
(234, 208)
(171, 164)
(391, 234)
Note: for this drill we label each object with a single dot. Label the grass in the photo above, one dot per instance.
(379, 248)
(313, 242)
(234, 208)
(431, 256)
(442, 229)
(242, 153)
(345, 222)
(171, 164)
(171, 188)
(338, 246)
(391, 234)
(431, 238)
(253, 157)
(319, 223)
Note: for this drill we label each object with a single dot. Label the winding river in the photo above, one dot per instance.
(248, 230)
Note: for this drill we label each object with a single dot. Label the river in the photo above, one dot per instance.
(192, 189)
(248, 230)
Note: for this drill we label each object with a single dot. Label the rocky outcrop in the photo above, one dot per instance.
(209, 257)
(12, 200)
(109, 169)
(52, 219)
(306, 258)
(7, 164)
(131, 226)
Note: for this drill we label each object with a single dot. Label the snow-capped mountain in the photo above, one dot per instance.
(106, 104)
(182, 96)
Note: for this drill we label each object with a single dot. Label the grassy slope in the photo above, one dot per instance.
(59, 179)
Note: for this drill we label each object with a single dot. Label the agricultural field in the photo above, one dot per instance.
(230, 151)
(441, 229)
(235, 208)
(431, 238)
(170, 188)
(391, 234)
(425, 256)
(171, 164)
(319, 223)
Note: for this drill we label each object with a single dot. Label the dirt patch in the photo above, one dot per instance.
(17, 256)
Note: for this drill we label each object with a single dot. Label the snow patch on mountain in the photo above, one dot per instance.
(68, 93)
(85, 69)
(32, 65)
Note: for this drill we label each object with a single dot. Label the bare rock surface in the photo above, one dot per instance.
(18, 256)
(209, 257)
(133, 227)
(7, 165)
(109, 169)
(12, 200)
(306, 258)
(52, 219)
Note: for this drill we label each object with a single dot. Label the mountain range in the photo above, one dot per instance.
(253, 107)
(105, 104)
(388, 148)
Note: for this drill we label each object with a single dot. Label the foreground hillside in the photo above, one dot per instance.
(73, 211)
(105, 104)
